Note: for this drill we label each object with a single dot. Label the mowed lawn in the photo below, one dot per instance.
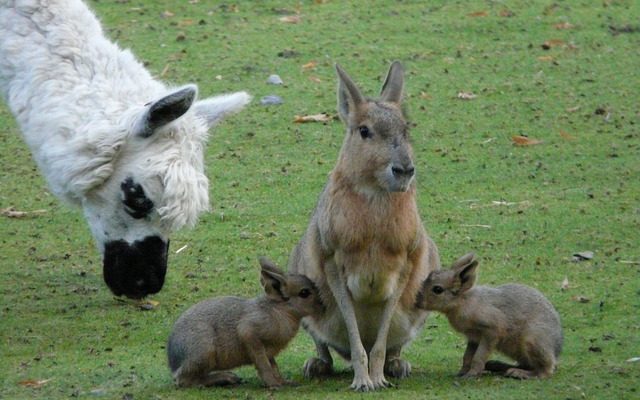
(564, 75)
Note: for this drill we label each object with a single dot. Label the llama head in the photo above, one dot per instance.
(152, 185)
(376, 154)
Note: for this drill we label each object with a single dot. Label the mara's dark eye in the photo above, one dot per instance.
(437, 289)
(304, 293)
(134, 199)
(364, 132)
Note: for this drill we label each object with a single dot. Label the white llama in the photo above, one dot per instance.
(106, 135)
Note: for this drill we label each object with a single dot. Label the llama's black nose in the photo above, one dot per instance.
(400, 171)
(135, 269)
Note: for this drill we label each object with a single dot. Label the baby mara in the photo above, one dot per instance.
(514, 319)
(222, 333)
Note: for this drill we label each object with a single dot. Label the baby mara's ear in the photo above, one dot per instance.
(275, 285)
(273, 280)
(465, 272)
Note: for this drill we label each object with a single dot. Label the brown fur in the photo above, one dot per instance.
(516, 320)
(226, 332)
(366, 248)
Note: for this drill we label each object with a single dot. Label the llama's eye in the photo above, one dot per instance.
(304, 293)
(437, 290)
(136, 203)
(364, 132)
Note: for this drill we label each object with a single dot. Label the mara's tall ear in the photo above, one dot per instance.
(465, 272)
(214, 109)
(275, 285)
(166, 110)
(268, 265)
(393, 87)
(349, 96)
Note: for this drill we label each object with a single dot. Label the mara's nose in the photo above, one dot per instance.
(400, 171)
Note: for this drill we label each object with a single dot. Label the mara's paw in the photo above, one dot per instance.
(223, 378)
(317, 368)
(380, 382)
(470, 375)
(518, 373)
(462, 372)
(362, 384)
(397, 368)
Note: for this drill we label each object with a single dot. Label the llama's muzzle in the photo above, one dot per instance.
(135, 269)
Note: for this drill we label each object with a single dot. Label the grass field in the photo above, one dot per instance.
(565, 73)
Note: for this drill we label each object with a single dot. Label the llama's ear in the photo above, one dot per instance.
(213, 109)
(349, 96)
(166, 110)
(393, 86)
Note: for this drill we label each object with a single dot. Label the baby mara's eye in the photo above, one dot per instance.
(364, 132)
(304, 293)
(437, 290)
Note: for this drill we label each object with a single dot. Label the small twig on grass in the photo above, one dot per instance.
(476, 226)
(182, 248)
(11, 212)
(497, 203)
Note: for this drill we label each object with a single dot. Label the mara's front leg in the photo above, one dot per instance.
(479, 358)
(468, 356)
(320, 366)
(258, 355)
(359, 361)
(377, 357)
(378, 353)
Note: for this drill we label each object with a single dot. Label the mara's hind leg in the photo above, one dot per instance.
(190, 377)
(395, 366)
(519, 373)
(498, 367)
(321, 366)
(221, 378)
(537, 362)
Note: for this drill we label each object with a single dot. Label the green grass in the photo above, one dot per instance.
(58, 320)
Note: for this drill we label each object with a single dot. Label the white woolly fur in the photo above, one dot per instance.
(78, 99)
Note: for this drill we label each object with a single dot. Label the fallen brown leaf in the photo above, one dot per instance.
(572, 109)
(167, 14)
(33, 383)
(466, 96)
(552, 43)
(545, 58)
(582, 256)
(322, 117)
(11, 212)
(185, 22)
(478, 14)
(148, 304)
(519, 140)
(505, 12)
(315, 79)
(309, 66)
(290, 19)
(565, 284)
(566, 135)
(564, 25)
(581, 299)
